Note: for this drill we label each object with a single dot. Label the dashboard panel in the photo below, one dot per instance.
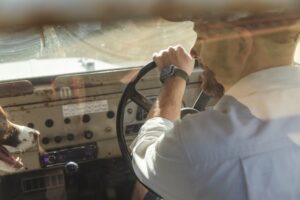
(79, 112)
(78, 147)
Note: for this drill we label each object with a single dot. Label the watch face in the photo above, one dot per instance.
(167, 72)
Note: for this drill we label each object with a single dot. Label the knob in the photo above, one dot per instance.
(88, 134)
(86, 118)
(71, 168)
(45, 140)
(49, 123)
(70, 136)
(52, 159)
(58, 139)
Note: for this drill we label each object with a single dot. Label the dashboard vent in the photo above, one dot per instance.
(40, 183)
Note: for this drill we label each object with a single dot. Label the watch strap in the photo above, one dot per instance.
(181, 73)
(174, 71)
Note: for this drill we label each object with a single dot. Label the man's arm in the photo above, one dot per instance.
(158, 157)
(170, 100)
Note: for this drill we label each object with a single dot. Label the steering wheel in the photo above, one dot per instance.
(131, 93)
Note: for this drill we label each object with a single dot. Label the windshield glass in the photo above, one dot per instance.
(128, 43)
(33, 52)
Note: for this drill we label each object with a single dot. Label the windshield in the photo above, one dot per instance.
(128, 43)
(33, 52)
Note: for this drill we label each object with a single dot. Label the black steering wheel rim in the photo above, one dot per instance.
(127, 94)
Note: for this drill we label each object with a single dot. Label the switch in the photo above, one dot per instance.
(88, 134)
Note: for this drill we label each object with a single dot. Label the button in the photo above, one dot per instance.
(45, 140)
(58, 139)
(86, 118)
(70, 136)
(110, 114)
(67, 120)
(71, 168)
(88, 134)
(52, 159)
(49, 123)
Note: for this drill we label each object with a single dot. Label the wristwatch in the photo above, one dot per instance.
(172, 70)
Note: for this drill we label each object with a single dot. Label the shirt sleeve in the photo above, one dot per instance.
(160, 161)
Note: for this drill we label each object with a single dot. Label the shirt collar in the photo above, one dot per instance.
(269, 79)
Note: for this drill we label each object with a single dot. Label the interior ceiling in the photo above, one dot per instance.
(25, 12)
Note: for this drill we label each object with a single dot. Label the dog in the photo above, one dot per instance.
(14, 138)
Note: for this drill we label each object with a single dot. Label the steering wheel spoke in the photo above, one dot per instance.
(141, 100)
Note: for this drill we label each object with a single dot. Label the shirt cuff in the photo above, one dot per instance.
(158, 121)
(155, 126)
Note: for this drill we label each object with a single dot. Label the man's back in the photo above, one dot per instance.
(244, 148)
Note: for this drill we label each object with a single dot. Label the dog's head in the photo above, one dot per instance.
(14, 137)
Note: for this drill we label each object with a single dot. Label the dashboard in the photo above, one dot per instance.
(76, 117)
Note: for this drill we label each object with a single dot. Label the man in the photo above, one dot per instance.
(248, 145)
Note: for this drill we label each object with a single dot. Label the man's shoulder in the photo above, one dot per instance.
(217, 132)
(228, 109)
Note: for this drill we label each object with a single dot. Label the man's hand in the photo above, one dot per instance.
(176, 56)
(170, 98)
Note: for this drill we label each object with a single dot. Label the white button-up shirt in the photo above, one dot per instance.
(246, 147)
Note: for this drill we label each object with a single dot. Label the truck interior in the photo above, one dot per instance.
(66, 80)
